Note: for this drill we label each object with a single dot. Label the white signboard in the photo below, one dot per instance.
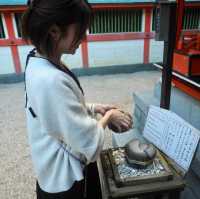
(172, 135)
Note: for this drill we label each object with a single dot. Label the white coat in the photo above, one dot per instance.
(61, 123)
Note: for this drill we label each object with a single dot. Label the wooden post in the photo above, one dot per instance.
(11, 35)
(147, 30)
(84, 48)
(169, 46)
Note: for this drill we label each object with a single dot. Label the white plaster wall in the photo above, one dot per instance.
(115, 52)
(6, 61)
(156, 51)
(143, 20)
(15, 26)
(23, 52)
(4, 25)
(73, 61)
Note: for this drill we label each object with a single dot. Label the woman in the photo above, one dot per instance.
(64, 136)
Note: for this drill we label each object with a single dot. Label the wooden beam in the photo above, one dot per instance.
(187, 88)
(120, 6)
(13, 8)
(120, 36)
(12, 42)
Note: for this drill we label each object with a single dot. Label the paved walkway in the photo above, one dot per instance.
(16, 173)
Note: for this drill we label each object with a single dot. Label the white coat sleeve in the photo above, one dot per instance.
(63, 116)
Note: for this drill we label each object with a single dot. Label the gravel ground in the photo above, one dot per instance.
(17, 180)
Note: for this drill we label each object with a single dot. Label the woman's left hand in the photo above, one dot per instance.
(103, 108)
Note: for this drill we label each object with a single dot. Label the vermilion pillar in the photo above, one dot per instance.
(84, 49)
(147, 30)
(12, 38)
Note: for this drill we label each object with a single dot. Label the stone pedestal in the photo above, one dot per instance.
(183, 105)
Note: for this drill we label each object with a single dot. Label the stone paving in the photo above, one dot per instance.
(17, 179)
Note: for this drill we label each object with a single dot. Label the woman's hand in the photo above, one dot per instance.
(120, 121)
(103, 108)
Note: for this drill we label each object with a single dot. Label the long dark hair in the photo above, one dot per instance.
(42, 14)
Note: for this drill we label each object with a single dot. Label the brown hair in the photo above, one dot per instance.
(42, 14)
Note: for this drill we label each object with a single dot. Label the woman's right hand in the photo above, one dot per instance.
(120, 121)
(117, 118)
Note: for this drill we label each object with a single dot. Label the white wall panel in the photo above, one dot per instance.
(6, 61)
(115, 52)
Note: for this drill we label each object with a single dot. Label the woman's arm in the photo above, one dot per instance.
(65, 118)
(122, 122)
(96, 108)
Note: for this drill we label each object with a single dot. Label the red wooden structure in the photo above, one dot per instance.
(186, 59)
